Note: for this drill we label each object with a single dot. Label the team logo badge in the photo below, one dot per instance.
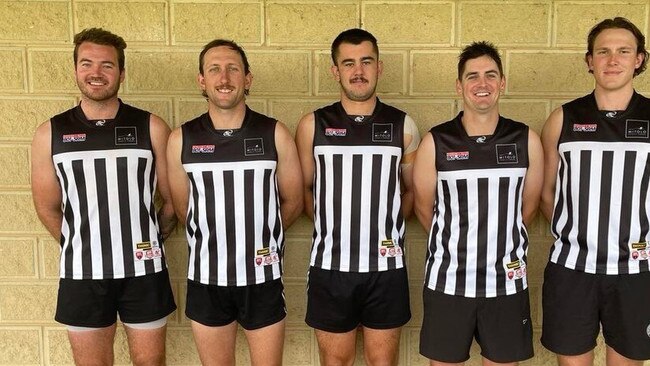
(359, 119)
(382, 251)
(611, 114)
(74, 137)
(258, 261)
(227, 133)
(511, 274)
(336, 132)
(481, 139)
(507, 154)
(382, 132)
(584, 127)
(139, 254)
(202, 149)
(254, 147)
(635, 255)
(457, 155)
(100, 122)
(636, 129)
(126, 135)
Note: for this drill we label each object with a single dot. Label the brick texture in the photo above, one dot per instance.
(542, 43)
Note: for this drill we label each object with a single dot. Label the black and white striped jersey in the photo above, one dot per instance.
(107, 174)
(478, 241)
(234, 228)
(601, 213)
(358, 223)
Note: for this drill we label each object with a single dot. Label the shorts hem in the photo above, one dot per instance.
(387, 325)
(508, 360)
(74, 323)
(152, 318)
(566, 352)
(635, 357)
(329, 329)
(264, 324)
(443, 359)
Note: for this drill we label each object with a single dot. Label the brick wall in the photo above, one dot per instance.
(542, 43)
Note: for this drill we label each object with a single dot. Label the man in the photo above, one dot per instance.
(95, 170)
(236, 184)
(356, 158)
(477, 180)
(596, 198)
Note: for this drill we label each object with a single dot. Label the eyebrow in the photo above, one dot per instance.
(365, 58)
(102, 62)
(487, 72)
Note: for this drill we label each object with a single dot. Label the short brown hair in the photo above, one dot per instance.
(101, 37)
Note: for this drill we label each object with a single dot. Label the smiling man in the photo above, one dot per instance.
(596, 196)
(95, 171)
(356, 158)
(477, 181)
(236, 184)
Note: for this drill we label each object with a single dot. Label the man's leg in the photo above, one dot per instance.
(266, 344)
(147, 345)
(585, 359)
(336, 349)
(381, 346)
(92, 346)
(216, 345)
(616, 359)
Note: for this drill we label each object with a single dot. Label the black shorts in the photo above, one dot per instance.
(338, 302)
(576, 304)
(501, 325)
(96, 303)
(253, 306)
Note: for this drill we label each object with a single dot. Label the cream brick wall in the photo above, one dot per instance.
(542, 43)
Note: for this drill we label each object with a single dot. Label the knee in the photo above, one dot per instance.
(148, 359)
(337, 359)
(379, 358)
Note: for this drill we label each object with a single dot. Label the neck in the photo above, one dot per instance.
(364, 108)
(106, 109)
(476, 124)
(224, 119)
(613, 100)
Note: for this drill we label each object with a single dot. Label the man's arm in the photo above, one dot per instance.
(411, 142)
(425, 180)
(305, 144)
(550, 138)
(533, 179)
(179, 185)
(46, 191)
(289, 176)
(159, 134)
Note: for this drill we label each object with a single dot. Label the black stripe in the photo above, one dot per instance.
(195, 217)
(249, 223)
(211, 222)
(84, 228)
(231, 230)
(270, 184)
(69, 218)
(393, 176)
(337, 181)
(502, 219)
(355, 212)
(566, 245)
(604, 210)
(583, 208)
(446, 234)
(519, 283)
(125, 214)
(374, 213)
(322, 212)
(482, 233)
(643, 214)
(463, 223)
(104, 218)
(144, 212)
(625, 220)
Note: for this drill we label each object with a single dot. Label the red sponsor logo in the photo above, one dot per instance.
(138, 255)
(635, 254)
(74, 137)
(202, 149)
(511, 274)
(258, 261)
(457, 155)
(382, 251)
(584, 127)
(339, 132)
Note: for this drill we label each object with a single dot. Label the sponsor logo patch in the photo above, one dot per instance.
(202, 149)
(382, 132)
(507, 154)
(584, 127)
(126, 135)
(253, 147)
(636, 129)
(74, 137)
(457, 155)
(337, 132)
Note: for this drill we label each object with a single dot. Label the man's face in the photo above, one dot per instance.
(224, 80)
(357, 70)
(97, 71)
(481, 84)
(614, 58)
